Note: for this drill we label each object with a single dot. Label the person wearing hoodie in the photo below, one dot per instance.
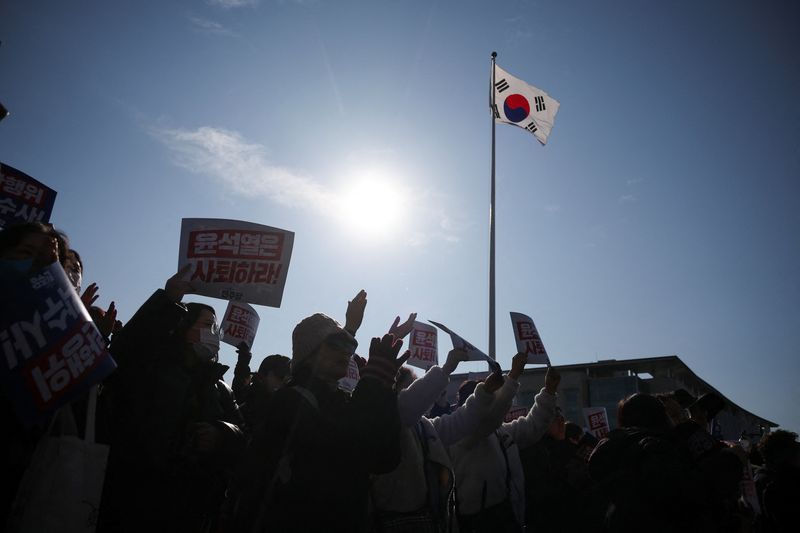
(490, 484)
(417, 495)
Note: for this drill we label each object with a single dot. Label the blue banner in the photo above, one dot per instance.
(51, 350)
(23, 198)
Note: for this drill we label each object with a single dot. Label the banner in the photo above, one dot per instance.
(236, 260)
(423, 347)
(528, 339)
(52, 351)
(239, 324)
(349, 382)
(596, 421)
(473, 354)
(23, 198)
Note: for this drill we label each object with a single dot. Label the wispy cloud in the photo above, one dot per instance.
(209, 26)
(241, 166)
(634, 181)
(230, 4)
(627, 199)
(244, 168)
(552, 208)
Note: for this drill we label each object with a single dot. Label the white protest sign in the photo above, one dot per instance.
(528, 339)
(349, 382)
(236, 260)
(473, 354)
(596, 421)
(423, 346)
(239, 324)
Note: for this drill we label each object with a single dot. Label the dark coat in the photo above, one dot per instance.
(156, 479)
(308, 466)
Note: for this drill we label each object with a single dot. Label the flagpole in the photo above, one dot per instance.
(492, 353)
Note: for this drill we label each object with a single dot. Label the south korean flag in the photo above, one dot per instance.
(523, 105)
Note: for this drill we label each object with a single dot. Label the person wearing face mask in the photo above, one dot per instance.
(177, 429)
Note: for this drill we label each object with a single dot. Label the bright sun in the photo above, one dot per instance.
(372, 205)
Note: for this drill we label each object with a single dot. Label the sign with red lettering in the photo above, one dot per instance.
(23, 198)
(528, 339)
(349, 382)
(423, 346)
(236, 260)
(239, 324)
(52, 351)
(596, 421)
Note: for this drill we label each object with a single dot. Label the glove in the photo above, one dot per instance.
(383, 361)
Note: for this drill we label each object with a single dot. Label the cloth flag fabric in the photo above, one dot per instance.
(520, 104)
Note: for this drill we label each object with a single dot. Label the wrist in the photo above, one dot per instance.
(448, 368)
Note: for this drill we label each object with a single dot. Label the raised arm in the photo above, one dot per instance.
(415, 401)
(529, 429)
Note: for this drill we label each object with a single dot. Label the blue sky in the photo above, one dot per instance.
(660, 219)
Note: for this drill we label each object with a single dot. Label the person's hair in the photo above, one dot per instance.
(778, 447)
(464, 391)
(642, 410)
(277, 364)
(710, 404)
(13, 235)
(193, 312)
(572, 430)
(405, 374)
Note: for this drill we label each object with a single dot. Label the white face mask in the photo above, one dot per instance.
(75, 278)
(207, 347)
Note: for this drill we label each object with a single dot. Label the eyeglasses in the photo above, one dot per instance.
(342, 342)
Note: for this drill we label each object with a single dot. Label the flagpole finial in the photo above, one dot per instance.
(494, 55)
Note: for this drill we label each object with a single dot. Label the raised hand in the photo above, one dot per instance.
(455, 356)
(518, 365)
(355, 312)
(383, 361)
(177, 286)
(243, 352)
(493, 382)
(90, 295)
(402, 330)
(106, 323)
(551, 380)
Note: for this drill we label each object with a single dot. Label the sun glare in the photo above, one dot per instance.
(372, 206)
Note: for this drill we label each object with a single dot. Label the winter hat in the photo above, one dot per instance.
(311, 332)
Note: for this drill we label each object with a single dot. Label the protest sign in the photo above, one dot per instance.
(528, 339)
(515, 412)
(239, 324)
(52, 351)
(349, 382)
(236, 260)
(423, 346)
(596, 421)
(23, 198)
(473, 354)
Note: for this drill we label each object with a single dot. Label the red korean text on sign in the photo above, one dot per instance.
(236, 244)
(596, 421)
(55, 373)
(226, 271)
(19, 187)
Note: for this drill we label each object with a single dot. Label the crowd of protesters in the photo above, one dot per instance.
(285, 449)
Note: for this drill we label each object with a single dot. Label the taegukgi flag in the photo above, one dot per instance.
(523, 105)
